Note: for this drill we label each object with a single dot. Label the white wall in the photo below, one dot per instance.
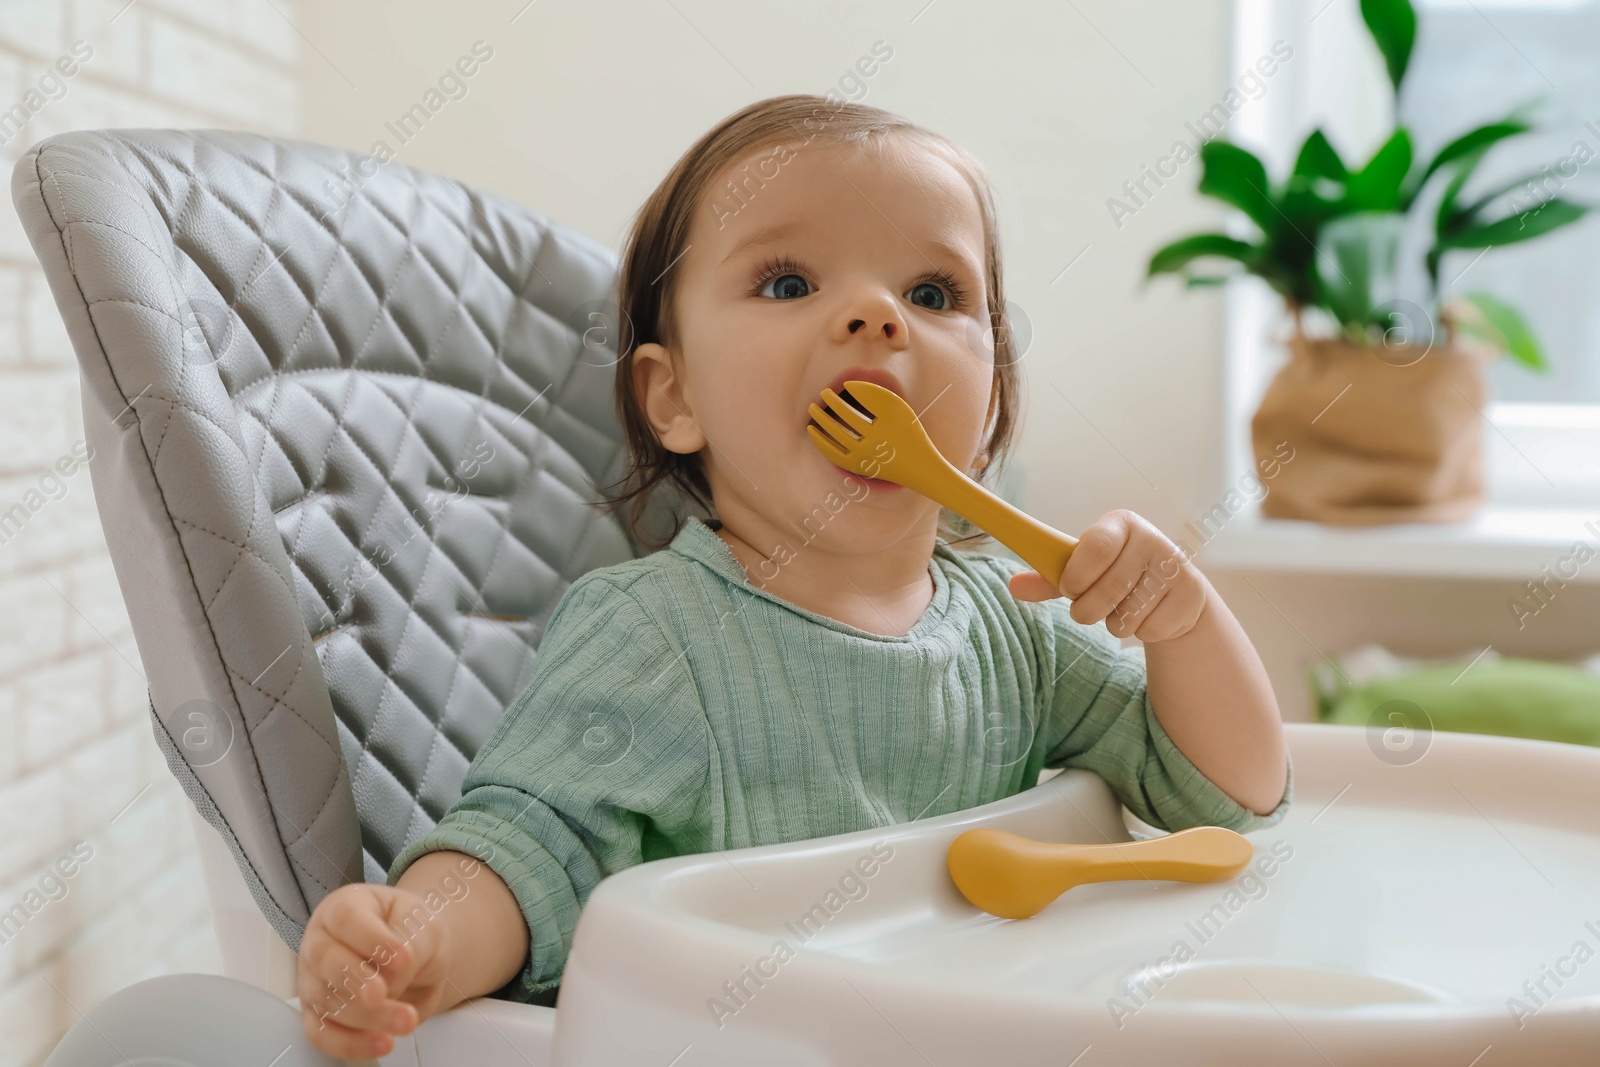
(79, 769)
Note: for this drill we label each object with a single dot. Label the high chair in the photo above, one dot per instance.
(345, 418)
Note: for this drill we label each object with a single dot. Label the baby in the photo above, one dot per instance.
(817, 657)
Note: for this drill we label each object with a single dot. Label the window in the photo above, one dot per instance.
(1474, 61)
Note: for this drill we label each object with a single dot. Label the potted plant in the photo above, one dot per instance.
(1383, 412)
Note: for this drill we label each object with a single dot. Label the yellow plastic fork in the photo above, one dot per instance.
(1014, 877)
(889, 442)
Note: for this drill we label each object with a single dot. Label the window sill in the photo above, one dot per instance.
(1498, 543)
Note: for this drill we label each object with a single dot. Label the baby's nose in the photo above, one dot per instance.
(888, 326)
(871, 313)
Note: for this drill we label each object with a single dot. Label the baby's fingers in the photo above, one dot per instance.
(421, 956)
(346, 962)
(1097, 551)
(356, 918)
(345, 988)
(344, 1042)
(1033, 586)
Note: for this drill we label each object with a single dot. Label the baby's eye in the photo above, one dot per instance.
(787, 287)
(928, 295)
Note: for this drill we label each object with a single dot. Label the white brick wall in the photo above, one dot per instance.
(77, 760)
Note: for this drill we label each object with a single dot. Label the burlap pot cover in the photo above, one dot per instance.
(1380, 434)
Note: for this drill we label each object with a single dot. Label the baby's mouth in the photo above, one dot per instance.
(867, 374)
(859, 374)
(847, 397)
(832, 426)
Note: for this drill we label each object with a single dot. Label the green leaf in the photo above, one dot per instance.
(1551, 215)
(1393, 24)
(1357, 261)
(1488, 198)
(1314, 193)
(1467, 143)
(1204, 280)
(1319, 159)
(1447, 218)
(1505, 328)
(1377, 186)
(1236, 177)
(1524, 112)
(1179, 254)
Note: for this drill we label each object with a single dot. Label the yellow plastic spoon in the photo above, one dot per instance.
(890, 443)
(1014, 877)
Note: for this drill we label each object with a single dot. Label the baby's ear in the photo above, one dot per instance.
(659, 391)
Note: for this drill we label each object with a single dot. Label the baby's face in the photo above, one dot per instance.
(842, 262)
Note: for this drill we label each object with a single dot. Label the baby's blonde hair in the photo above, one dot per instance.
(657, 238)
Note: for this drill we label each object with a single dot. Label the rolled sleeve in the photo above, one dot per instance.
(1196, 799)
(1096, 714)
(600, 764)
(495, 825)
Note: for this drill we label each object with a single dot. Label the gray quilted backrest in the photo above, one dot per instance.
(344, 422)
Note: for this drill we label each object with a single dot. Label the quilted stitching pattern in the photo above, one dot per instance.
(342, 454)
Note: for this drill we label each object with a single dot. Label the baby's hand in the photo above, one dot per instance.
(1125, 571)
(381, 983)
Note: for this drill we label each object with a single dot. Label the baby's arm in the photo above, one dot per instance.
(378, 961)
(602, 763)
(1211, 692)
(1223, 760)
(484, 936)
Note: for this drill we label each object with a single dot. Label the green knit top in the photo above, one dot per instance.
(677, 707)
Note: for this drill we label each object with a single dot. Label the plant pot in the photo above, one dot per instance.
(1380, 434)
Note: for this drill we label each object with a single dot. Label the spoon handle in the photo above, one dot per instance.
(1043, 547)
(1199, 854)
(1014, 877)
